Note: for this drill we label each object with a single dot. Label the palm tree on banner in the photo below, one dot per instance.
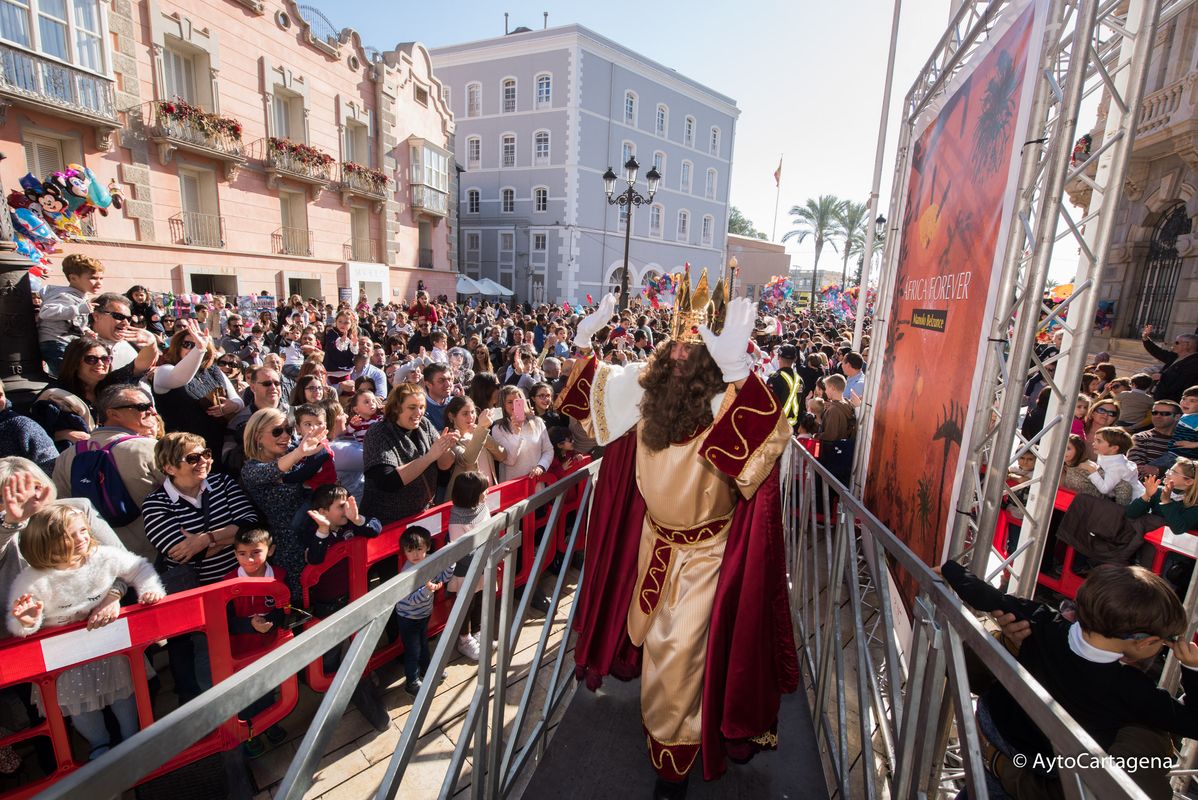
(851, 220)
(817, 219)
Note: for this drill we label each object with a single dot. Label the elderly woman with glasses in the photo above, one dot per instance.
(274, 474)
(192, 392)
(66, 407)
(191, 521)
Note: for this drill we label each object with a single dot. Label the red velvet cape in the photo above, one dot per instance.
(751, 655)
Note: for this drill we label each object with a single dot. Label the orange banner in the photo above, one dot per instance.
(961, 188)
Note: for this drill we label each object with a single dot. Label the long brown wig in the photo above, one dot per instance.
(675, 408)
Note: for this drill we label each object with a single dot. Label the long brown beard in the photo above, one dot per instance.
(676, 407)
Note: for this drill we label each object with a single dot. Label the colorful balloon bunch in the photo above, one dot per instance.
(778, 290)
(660, 290)
(46, 212)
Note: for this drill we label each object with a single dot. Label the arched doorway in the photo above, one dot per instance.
(615, 280)
(1160, 274)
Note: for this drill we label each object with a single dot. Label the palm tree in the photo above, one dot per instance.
(851, 220)
(816, 218)
(857, 246)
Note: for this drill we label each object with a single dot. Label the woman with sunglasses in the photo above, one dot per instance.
(275, 469)
(66, 407)
(191, 521)
(231, 366)
(192, 392)
(1102, 414)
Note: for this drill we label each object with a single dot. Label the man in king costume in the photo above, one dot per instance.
(685, 575)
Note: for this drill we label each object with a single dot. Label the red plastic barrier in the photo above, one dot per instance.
(41, 658)
(361, 554)
(1069, 581)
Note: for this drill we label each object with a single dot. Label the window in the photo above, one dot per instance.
(627, 151)
(507, 203)
(43, 155)
(540, 148)
(421, 96)
(200, 226)
(659, 162)
(708, 229)
(714, 147)
(179, 74)
(684, 185)
(507, 257)
(540, 197)
(709, 185)
(661, 121)
(473, 250)
(688, 132)
(622, 220)
(357, 143)
(474, 152)
(508, 150)
(539, 242)
(473, 201)
(509, 96)
(684, 226)
(359, 232)
(630, 108)
(293, 214)
(474, 100)
(544, 91)
(656, 212)
(430, 167)
(68, 31)
(445, 96)
(287, 115)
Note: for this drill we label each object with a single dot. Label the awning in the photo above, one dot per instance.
(490, 287)
(467, 286)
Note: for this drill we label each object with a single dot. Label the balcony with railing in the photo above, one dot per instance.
(430, 201)
(178, 125)
(362, 248)
(1159, 110)
(285, 159)
(46, 84)
(292, 241)
(198, 230)
(364, 182)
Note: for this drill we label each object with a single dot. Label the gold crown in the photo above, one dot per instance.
(694, 308)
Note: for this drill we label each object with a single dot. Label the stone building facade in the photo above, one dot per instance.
(215, 201)
(1151, 275)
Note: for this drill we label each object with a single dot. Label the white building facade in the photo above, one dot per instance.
(540, 116)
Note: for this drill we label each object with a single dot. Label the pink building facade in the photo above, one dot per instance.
(198, 108)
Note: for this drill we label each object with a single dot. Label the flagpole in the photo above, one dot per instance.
(777, 197)
(870, 225)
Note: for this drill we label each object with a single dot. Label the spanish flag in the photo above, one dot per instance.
(778, 174)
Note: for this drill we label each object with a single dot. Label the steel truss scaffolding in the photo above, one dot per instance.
(1089, 48)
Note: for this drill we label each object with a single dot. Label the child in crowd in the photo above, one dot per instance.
(310, 419)
(414, 610)
(440, 350)
(469, 510)
(254, 622)
(334, 517)
(68, 573)
(1114, 474)
(1022, 471)
(1125, 614)
(1076, 471)
(564, 456)
(839, 430)
(1080, 410)
(65, 309)
(365, 411)
(1136, 403)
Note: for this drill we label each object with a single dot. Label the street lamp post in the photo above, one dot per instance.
(627, 199)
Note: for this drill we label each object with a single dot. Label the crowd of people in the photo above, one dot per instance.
(170, 453)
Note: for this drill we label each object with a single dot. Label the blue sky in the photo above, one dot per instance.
(806, 75)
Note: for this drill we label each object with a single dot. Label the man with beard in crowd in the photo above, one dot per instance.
(684, 554)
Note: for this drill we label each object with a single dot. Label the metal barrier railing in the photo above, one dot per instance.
(497, 758)
(916, 734)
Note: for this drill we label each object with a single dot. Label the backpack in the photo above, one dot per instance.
(94, 475)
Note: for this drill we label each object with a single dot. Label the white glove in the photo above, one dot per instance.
(592, 323)
(730, 350)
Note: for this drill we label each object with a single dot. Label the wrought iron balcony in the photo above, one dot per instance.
(362, 248)
(430, 201)
(57, 88)
(292, 241)
(298, 162)
(357, 180)
(198, 230)
(177, 125)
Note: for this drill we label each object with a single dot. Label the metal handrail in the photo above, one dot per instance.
(497, 759)
(907, 704)
(292, 241)
(197, 229)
